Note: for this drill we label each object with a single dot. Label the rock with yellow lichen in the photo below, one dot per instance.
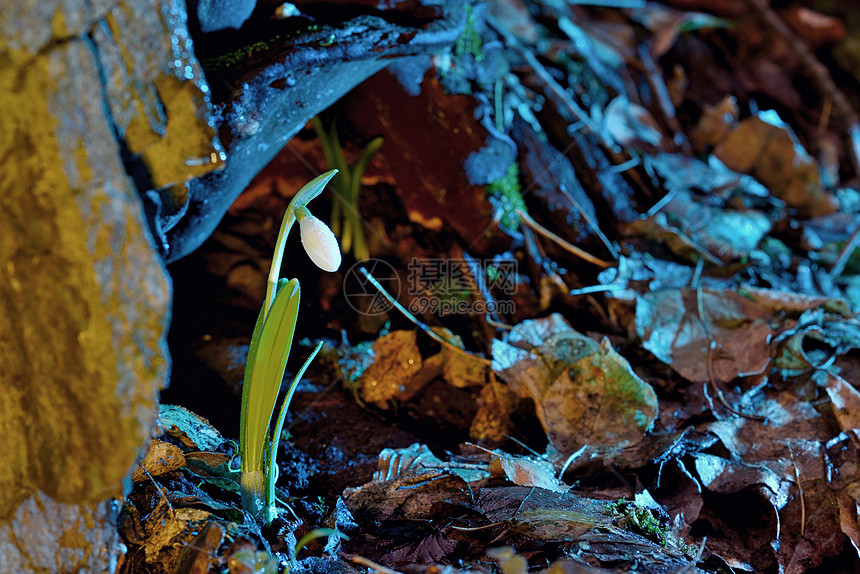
(84, 298)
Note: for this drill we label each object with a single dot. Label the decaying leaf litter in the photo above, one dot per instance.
(674, 388)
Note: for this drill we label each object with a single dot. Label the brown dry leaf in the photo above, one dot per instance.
(209, 459)
(550, 517)
(670, 326)
(492, 422)
(846, 401)
(199, 556)
(416, 459)
(189, 428)
(848, 518)
(406, 497)
(790, 303)
(722, 475)
(770, 154)
(395, 463)
(668, 234)
(396, 360)
(717, 122)
(584, 392)
(696, 228)
(429, 550)
(165, 525)
(815, 28)
(460, 370)
(816, 340)
(765, 462)
(161, 458)
(526, 471)
(631, 125)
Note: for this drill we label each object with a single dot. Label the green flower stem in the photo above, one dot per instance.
(310, 191)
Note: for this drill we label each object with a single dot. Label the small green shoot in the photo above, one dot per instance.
(317, 533)
(269, 351)
(345, 216)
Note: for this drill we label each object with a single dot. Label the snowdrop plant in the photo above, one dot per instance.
(269, 350)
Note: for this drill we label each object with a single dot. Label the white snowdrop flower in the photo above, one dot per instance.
(319, 241)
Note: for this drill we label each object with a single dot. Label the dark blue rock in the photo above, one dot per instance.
(217, 15)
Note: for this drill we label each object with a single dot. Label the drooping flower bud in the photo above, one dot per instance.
(319, 241)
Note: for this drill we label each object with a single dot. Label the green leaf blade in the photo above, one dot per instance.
(265, 372)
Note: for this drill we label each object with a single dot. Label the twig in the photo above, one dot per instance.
(538, 255)
(800, 491)
(842, 259)
(520, 507)
(474, 528)
(573, 456)
(597, 289)
(158, 487)
(476, 270)
(611, 3)
(567, 106)
(433, 335)
(527, 219)
(661, 94)
(499, 324)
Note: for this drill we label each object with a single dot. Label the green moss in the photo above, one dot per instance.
(508, 191)
(641, 520)
(469, 41)
(457, 74)
(233, 58)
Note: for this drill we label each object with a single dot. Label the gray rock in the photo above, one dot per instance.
(84, 299)
(47, 536)
(159, 100)
(220, 14)
(267, 97)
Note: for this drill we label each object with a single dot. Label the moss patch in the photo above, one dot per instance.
(508, 193)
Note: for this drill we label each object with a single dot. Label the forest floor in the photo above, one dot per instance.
(623, 238)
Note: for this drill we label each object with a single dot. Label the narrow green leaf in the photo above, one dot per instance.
(279, 427)
(325, 143)
(244, 420)
(317, 533)
(346, 238)
(361, 164)
(265, 372)
(312, 189)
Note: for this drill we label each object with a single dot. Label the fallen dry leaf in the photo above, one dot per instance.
(678, 325)
(161, 458)
(584, 392)
(772, 154)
